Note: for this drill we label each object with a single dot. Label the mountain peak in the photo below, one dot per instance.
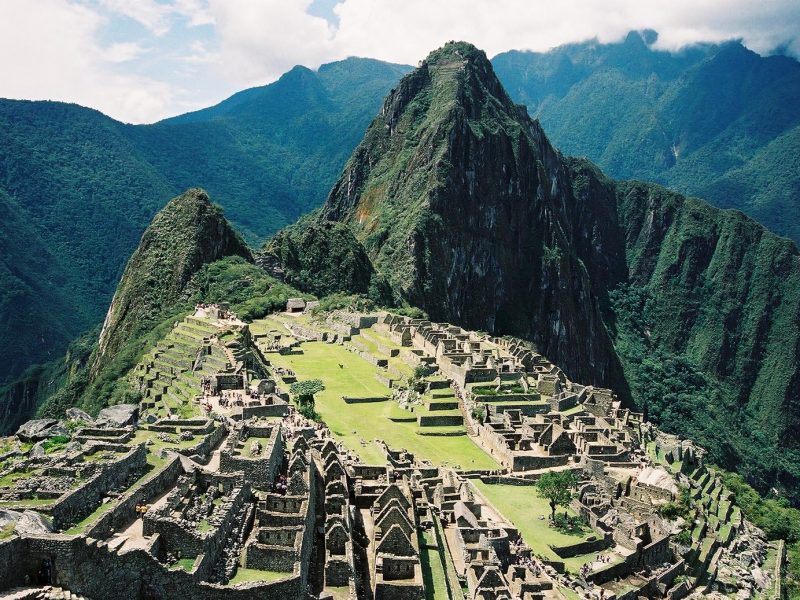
(454, 193)
(187, 233)
(457, 52)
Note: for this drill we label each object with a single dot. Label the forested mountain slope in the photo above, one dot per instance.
(716, 121)
(80, 188)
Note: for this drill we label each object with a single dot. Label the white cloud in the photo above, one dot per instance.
(123, 52)
(48, 51)
(149, 13)
(260, 40)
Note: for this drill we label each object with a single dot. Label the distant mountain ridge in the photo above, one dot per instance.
(80, 188)
(716, 121)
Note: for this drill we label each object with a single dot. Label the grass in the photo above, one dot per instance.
(30, 503)
(143, 435)
(7, 530)
(204, 526)
(430, 556)
(358, 425)
(244, 575)
(522, 505)
(184, 563)
(10, 479)
(247, 449)
(84, 524)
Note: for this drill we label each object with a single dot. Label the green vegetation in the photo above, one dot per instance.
(81, 187)
(778, 520)
(715, 121)
(304, 392)
(244, 575)
(55, 443)
(433, 574)
(667, 380)
(250, 292)
(523, 506)
(183, 563)
(556, 488)
(91, 519)
(358, 425)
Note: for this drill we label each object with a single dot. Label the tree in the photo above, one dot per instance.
(304, 391)
(555, 487)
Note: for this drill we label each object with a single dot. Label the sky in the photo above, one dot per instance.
(140, 61)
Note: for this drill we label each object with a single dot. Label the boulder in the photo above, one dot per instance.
(37, 451)
(40, 429)
(33, 523)
(73, 447)
(76, 414)
(118, 415)
(7, 517)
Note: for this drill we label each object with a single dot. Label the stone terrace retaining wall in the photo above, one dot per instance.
(364, 399)
(79, 503)
(207, 444)
(582, 547)
(434, 420)
(90, 568)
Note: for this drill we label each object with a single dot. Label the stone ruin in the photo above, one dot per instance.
(138, 503)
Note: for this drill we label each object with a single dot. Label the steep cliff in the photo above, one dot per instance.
(456, 194)
(186, 234)
(688, 311)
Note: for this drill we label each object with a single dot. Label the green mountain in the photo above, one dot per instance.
(188, 254)
(77, 188)
(716, 121)
(688, 311)
(186, 234)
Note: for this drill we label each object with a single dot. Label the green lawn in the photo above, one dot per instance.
(184, 563)
(247, 449)
(432, 567)
(358, 425)
(244, 575)
(29, 503)
(522, 506)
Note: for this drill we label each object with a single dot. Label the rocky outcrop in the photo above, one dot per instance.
(457, 197)
(119, 415)
(40, 429)
(322, 258)
(186, 234)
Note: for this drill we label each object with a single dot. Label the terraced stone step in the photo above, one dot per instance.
(440, 418)
(436, 405)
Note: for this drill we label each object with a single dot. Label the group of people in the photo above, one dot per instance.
(281, 485)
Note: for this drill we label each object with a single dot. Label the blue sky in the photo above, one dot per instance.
(143, 60)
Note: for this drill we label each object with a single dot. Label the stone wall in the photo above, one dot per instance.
(125, 511)
(267, 410)
(364, 399)
(260, 471)
(207, 444)
(91, 569)
(82, 501)
(434, 420)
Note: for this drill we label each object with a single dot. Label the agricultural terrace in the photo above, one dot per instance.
(359, 425)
